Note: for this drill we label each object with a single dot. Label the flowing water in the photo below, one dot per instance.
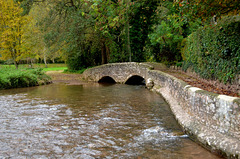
(91, 121)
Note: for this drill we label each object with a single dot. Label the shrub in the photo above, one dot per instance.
(1, 61)
(214, 51)
(75, 71)
(4, 82)
(12, 78)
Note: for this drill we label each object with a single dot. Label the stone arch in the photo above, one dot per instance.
(106, 79)
(135, 80)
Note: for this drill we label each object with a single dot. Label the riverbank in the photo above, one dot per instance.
(18, 78)
(68, 78)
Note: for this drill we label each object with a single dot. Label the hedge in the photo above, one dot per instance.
(213, 51)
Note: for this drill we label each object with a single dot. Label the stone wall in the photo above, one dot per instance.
(209, 118)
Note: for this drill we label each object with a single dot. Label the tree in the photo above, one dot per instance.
(111, 20)
(167, 34)
(208, 8)
(127, 30)
(12, 31)
(141, 20)
(92, 32)
(35, 34)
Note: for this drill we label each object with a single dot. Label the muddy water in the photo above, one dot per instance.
(91, 121)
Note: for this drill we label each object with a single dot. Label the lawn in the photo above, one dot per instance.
(50, 67)
(54, 68)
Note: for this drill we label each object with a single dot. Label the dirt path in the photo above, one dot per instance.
(60, 77)
(193, 80)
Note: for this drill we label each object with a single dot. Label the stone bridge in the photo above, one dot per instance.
(211, 119)
(119, 72)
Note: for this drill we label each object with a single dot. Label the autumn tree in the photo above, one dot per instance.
(208, 8)
(35, 34)
(12, 31)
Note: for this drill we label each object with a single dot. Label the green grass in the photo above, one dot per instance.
(35, 66)
(74, 71)
(50, 67)
(54, 69)
(24, 77)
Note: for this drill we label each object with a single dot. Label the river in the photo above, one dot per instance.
(91, 121)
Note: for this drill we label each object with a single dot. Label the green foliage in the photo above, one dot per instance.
(213, 51)
(179, 64)
(4, 82)
(206, 9)
(141, 22)
(86, 33)
(73, 34)
(50, 66)
(76, 61)
(75, 71)
(12, 78)
(167, 35)
(26, 5)
(1, 61)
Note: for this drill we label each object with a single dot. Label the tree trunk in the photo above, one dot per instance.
(16, 64)
(45, 57)
(107, 53)
(45, 60)
(104, 53)
(31, 63)
(214, 20)
(128, 45)
(14, 57)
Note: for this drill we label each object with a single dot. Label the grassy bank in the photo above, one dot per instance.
(50, 67)
(23, 77)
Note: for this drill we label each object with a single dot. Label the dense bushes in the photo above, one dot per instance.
(1, 61)
(12, 78)
(214, 51)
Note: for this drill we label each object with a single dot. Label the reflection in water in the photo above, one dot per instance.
(91, 121)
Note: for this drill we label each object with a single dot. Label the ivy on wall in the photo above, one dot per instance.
(213, 51)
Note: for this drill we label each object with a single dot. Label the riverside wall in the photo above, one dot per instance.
(211, 119)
